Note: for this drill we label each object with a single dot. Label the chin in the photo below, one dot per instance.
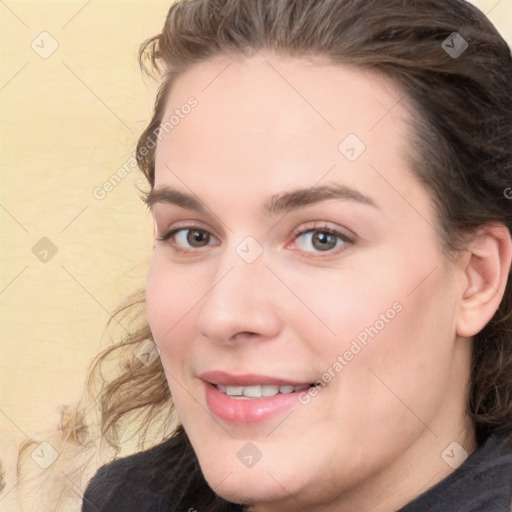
(245, 495)
(246, 486)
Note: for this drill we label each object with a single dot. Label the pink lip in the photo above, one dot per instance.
(247, 412)
(226, 379)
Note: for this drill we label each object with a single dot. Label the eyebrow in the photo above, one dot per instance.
(279, 203)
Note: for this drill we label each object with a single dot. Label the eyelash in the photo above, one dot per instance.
(324, 229)
(296, 234)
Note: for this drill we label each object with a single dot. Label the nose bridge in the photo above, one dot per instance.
(239, 298)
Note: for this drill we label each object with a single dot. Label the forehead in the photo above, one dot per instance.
(273, 122)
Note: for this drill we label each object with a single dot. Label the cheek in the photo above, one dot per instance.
(168, 300)
(158, 301)
(166, 308)
(338, 305)
(399, 371)
(380, 335)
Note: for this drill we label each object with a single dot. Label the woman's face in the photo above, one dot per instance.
(305, 253)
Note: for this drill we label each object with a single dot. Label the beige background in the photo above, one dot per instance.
(68, 122)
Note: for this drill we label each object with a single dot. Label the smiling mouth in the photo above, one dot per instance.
(247, 399)
(259, 391)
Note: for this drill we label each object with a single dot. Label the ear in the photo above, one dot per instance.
(486, 270)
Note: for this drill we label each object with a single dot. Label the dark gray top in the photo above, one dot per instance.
(148, 482)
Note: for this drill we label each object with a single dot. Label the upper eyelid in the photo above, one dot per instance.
(190, 225)
(297, 231)
(325, 227)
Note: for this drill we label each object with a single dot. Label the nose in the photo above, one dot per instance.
(240, 303)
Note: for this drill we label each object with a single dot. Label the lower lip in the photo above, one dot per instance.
(248, 412)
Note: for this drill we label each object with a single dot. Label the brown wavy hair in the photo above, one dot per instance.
(461, 151)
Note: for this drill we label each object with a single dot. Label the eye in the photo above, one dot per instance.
(322, 239)
(190, 237)
(313, 240)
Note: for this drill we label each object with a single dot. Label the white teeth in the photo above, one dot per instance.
(234, 390)
(252, 391)
(269, 390)
(257, 391)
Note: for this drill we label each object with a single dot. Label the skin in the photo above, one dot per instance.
(372, 439)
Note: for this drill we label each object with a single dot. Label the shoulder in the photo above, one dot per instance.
(483, 483)
(487, 474)
(137, 482)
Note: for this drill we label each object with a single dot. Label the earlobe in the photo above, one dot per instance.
(486, 274)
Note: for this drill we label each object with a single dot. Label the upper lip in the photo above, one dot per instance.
(247, 379)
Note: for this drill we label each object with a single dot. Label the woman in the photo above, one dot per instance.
(329, 291)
